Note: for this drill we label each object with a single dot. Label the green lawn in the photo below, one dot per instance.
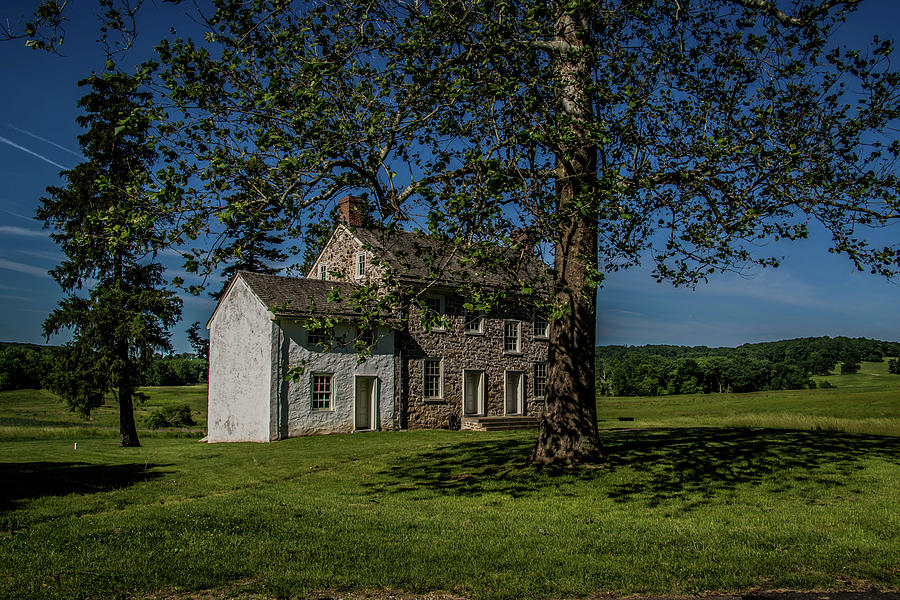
(866, 402)
(38, 414)
(679, 508)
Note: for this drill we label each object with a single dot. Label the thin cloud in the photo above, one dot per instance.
(15, 214)
(197, 300)
(629, 313)
(23, 268)
(45, 140)
(31, 152)
(13, 230)
(54, 256)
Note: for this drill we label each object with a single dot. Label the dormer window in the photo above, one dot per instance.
(541, 326)
(360, 264)
(434, 312)
(323, 271)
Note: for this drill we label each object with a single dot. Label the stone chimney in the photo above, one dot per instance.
(352, 211)
(524, 238)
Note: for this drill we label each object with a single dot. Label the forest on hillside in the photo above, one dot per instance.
(783, 365)
(621, 370)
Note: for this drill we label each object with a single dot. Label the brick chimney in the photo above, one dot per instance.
(352, 211)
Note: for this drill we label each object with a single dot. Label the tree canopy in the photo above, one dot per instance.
(611, 131)
(109, 226)
(608, 131)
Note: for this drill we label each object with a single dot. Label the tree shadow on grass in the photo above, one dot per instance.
(27, 480)
(656, 465)
(706, 462)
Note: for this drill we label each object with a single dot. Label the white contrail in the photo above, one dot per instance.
(15, 214)
(31, 152)
(23, 268)
(13, 230)
(45, 140)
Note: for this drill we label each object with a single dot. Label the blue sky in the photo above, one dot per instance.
(813, 293)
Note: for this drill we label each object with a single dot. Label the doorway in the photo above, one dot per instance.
(365, 403)
(473, 392)
(515, 392)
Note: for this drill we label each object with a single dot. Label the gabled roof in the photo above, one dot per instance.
(296, 297)
(413, 256)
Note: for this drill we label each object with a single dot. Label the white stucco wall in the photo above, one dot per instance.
(298, 417)
(241, 335)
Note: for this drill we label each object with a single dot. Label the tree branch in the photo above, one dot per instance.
(786, 19)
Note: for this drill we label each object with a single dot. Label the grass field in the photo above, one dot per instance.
(866, 402)
(691, 501)
(38, 414)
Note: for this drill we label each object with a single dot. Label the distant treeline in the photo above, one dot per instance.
(783, 365)
(29, 366)
(24, 366)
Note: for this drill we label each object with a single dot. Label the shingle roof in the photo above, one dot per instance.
(296, 297)
(413, 256)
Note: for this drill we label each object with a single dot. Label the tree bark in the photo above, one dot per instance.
(128, 437)
(568, 426)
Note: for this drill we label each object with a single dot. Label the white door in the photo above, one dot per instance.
(364, 413)
(473, 392)
(515, 392)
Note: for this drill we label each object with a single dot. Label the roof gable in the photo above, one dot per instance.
(300, 297)
(413, 256)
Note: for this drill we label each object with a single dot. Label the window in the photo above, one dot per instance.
(433, 380)
(474, 322)
(322, 391)
(318, 337)
(323, 271)
(360, 264)
(434, 310)
(367, 337)
(512, 339)
(541, 326)
(540, 379)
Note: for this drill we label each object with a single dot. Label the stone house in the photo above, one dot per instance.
(450, 368)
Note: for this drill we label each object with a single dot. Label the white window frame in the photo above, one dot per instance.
(470, 317)
(518, 325)
(360, 265)
(546, 333)
(439, 326)
(540, 380)
(329, 401)
(440, 381)
(323, 271)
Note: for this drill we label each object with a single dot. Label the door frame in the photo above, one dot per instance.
(481, 404)
(521, 395)
(374, 395)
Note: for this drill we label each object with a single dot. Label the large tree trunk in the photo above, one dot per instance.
(128, 436)
(568, 427)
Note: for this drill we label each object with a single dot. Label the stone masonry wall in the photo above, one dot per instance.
(459, 351)
(339, 258)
